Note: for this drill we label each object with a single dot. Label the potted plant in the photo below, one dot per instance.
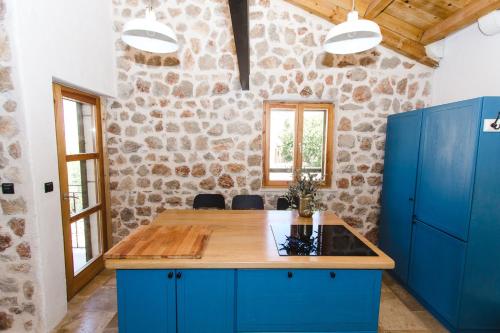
(303, 192)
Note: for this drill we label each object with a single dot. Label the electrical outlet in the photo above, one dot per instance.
(488, 126)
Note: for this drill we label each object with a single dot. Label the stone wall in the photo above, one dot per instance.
(181, 124)
(17, 286)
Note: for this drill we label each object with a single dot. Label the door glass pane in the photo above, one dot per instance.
(314, 141)
(82, 183)
(79, 127)
(281, 144)
(86, 240)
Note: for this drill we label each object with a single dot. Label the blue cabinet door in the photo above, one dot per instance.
(205, 301)
(436, 270)
(480, 305)
(146, 301)
(308, 300)
(398, 192)
(447, 164)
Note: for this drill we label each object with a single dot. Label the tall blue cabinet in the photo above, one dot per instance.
(440, 217)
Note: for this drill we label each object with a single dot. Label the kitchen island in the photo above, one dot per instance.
(241, 283)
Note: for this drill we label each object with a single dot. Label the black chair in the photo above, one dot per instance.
(247, 202)
(207, 201)
(283, 204)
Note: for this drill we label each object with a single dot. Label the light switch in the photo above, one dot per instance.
(49, 187)
(8, 188)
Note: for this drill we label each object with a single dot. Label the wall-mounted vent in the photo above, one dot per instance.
(435, 50)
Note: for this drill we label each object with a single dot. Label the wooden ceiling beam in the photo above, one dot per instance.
(376, 7)
(392, 40)
(460, 19)
(325, 9)
(402, 27)
(405, 46)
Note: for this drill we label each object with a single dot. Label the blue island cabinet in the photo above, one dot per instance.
(170, 301)
(307, 300)
(260, 300)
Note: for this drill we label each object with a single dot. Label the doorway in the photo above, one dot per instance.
(81, 179)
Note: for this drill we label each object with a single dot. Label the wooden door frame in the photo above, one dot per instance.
(76, 283)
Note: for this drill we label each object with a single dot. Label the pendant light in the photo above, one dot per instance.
(353, 36)
(149, 35)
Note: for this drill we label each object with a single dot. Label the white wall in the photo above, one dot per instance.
(470, 67)
(70, 41)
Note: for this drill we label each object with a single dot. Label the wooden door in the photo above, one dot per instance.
(81, 175)
(447, 164)
(398, 192)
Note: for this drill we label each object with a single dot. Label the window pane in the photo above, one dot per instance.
(79, 127)
(281, 144)
(314, 141)
(86, 240)
(82, 183)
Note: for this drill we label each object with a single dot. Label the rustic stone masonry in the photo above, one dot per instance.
(181, 124)
(17, 287)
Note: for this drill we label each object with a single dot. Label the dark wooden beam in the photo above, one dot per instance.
(239, 19)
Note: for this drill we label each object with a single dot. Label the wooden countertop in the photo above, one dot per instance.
(244, 239)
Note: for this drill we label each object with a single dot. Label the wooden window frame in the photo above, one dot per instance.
(300, 108)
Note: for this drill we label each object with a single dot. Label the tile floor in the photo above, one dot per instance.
(93, 310)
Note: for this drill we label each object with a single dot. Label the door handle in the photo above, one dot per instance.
(178, 275)
(170, 275)
(411, 199)
(67, 196)
(290, 275)
(333, 275)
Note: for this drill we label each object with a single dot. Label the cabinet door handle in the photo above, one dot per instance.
(170, 275)
(411, 199)
(333, 275)
(178, 275)
(290, 275)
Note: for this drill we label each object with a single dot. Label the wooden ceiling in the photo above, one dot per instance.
(407, 25)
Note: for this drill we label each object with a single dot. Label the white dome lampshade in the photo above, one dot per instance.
(353, 36)
(149, 35)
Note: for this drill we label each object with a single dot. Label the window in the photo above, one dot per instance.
(297, 136)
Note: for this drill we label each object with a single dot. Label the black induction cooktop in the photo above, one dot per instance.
(318, 240)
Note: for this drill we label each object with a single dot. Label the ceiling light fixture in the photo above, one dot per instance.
(353, 36)
(149, 35)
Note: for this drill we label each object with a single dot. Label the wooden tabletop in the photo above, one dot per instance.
(244, 239)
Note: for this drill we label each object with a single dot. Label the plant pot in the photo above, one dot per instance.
(306, 206)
